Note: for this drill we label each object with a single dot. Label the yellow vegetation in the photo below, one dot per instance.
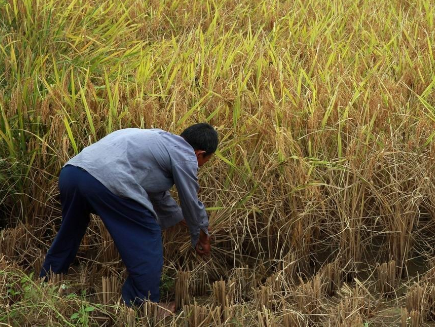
(326, 116)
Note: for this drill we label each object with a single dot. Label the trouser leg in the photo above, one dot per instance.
(75, 219)
(137, 236)
(134, 230)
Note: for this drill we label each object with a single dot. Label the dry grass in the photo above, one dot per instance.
(326, 115)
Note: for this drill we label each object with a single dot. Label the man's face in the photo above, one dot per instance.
(201, 157)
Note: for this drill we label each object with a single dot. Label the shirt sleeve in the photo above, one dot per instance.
(186, 181)
(166, 208)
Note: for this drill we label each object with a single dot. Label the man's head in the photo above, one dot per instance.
(204, 140)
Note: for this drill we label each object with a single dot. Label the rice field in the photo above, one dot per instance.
(321, 196)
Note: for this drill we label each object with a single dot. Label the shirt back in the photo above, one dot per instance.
(143, 164)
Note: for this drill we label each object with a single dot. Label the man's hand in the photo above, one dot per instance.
(183, 224)
(203, 245)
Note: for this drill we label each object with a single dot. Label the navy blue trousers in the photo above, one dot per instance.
(133, 228)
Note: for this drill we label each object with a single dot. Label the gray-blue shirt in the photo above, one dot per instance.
(143, 164)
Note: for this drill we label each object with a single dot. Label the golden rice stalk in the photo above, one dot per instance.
(110, 289)
(199, 283)
(346, 314)
(197, 316)
(220, 295)
(108, 251)
(421, 298)
(308, 297)
(263, 297)
(55, 278)
(415, 298)
(416, 319)
(149, 313)
(131, 318)
(430, 307)
(332, 277)
(360, 298)
(241, 284)
(277, 282)
(266, 318)
(387, 278)
(404, 317)
(15, 241)
(182, 289)
(289, 266)
(294, 319)
(125, 317)
(223, 299)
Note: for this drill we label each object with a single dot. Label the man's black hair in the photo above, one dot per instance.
(202, 136)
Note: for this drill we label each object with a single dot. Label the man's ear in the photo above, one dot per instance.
(199, 152)
(201, 157)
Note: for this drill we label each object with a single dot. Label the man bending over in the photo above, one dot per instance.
(125, 179)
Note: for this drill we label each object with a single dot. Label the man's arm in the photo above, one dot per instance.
(166, 208)
(186, 181)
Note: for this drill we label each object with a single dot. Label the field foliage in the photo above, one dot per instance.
(326, 116)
